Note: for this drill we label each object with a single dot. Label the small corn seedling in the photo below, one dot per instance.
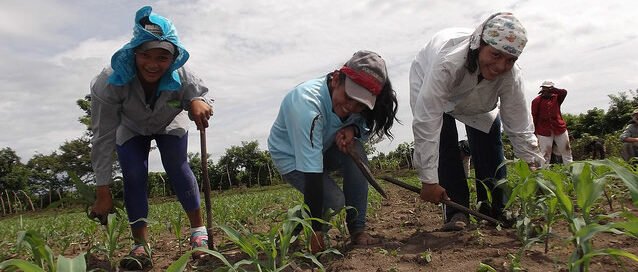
(116, 226)
(176, 224)
(524, 197)
(42, 257)
(266, 252)
(545, 196)
(587, 184)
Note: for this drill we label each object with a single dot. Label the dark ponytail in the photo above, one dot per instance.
(381, 118)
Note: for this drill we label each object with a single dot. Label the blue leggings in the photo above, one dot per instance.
(133, 158)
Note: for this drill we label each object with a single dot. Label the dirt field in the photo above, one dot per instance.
(409, 229)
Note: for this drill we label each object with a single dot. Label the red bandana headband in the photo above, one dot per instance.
(363, 79)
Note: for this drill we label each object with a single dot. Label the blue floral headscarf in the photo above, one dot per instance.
(123, 61)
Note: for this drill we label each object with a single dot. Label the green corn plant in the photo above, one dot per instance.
(266, 252)
(116, 226)
(338, 221)
(550, 205)
(588, 180)
(182, 262)
(175, 226)
(485, 268)
(524, 194)
(42, 257)
(488, 193)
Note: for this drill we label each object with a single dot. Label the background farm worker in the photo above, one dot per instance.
(471, 77)
(596, 147)
(147, 95)
(317, 121)
(629, 137)
(549, 124)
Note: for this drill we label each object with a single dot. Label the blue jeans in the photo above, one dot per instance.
(355, 186)
(133, 158)
(487, 154)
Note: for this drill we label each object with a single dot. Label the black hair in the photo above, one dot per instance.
(471, 61)
(381, 118)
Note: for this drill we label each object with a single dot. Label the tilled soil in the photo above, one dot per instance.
(412, 241)
(410, 229)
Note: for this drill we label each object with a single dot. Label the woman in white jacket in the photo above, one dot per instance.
(464, 75)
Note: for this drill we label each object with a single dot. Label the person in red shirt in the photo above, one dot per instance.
(548, 122)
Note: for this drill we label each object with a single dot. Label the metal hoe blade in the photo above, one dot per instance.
(446, 202)
(365, 170)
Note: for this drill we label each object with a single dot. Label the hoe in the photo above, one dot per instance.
(368, 174)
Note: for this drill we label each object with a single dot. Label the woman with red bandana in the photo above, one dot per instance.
(317, 122)
(471, 77)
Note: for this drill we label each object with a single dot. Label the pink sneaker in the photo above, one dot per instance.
(199, 239)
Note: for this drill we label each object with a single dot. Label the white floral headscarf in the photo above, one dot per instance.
(503, 32)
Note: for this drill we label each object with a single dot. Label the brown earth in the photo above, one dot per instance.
(409, 229)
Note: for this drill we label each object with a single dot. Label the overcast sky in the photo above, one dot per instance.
(251, 53)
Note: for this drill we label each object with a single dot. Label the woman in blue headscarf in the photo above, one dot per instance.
(147, 95)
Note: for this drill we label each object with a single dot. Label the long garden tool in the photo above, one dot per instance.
(365, 170)
(206, 185)
(449, 203)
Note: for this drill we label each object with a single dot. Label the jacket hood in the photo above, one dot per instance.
(123, 61)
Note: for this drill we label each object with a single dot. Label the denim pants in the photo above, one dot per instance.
(133, 158)
(487, 154)
(355, 186)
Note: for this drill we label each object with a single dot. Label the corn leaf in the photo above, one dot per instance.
(71, 264)
(22, 265)
(629, 178)
(243, 242)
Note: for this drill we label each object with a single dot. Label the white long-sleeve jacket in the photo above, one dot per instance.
(440, 83)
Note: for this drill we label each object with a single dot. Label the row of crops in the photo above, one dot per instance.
(590, 198)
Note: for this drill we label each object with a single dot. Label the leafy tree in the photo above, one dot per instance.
(246, 164)
(17, 179)
(619, 112)
(593, 122)
(403, 154)
(85, 105)
(46, 173)
(8, 160)
(75, 157)
(13, 174)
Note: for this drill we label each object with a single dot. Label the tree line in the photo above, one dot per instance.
(46, 178)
